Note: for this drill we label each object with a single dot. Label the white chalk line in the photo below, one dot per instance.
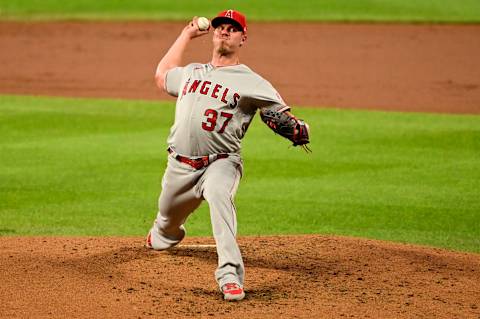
(196, 246)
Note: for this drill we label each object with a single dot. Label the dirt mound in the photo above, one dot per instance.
(286, 276)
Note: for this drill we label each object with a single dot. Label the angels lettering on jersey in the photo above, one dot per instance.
(214, 90)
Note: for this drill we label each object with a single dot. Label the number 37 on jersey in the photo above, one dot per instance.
(212, 117)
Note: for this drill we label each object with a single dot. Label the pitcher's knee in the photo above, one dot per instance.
(170, 230)
(216, 192)
(158, 239)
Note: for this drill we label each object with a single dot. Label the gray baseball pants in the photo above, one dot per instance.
(183, 189)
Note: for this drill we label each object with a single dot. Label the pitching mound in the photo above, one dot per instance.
(287, 276)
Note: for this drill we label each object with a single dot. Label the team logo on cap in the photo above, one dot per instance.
(229, 14)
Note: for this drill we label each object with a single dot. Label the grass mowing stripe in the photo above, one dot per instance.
(279, 10)
(93, 167)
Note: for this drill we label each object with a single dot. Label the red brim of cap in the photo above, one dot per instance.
(221, 20)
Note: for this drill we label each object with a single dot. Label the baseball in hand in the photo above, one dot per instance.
(203, 23)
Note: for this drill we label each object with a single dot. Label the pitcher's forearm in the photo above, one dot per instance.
(171, 59)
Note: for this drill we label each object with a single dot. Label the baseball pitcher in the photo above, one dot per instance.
(215, 104)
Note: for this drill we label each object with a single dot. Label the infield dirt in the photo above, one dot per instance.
(287, 277)
(432, 68)
(396, 67)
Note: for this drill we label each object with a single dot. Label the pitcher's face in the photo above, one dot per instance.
(228, 38)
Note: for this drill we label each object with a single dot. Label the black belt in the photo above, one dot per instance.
(197, 162)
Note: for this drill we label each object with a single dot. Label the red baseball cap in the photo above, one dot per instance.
(230, 16)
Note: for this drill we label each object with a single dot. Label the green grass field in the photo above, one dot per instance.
(93, 167)
(462, 11)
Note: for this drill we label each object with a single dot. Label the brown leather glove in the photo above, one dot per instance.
(288, 126)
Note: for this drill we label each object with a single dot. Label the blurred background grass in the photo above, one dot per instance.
(93, 167)
(458, 11)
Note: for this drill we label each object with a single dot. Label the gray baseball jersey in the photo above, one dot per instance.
(215, 106)
(213, 111)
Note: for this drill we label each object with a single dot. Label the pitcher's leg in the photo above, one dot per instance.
(220, 183)
(177, 200)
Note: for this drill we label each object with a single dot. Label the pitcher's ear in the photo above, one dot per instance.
(244, 38)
